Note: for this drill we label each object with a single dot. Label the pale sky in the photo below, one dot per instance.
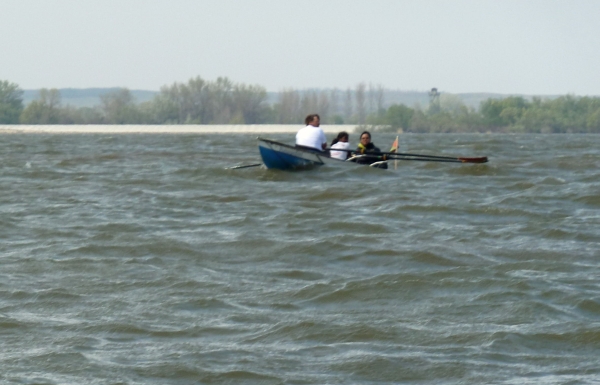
(534, 47)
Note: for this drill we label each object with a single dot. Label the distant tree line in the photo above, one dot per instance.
(224, 102)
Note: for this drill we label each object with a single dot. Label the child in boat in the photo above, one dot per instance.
(341, 143)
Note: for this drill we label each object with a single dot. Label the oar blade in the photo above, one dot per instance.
(244, 166)
(482, 159)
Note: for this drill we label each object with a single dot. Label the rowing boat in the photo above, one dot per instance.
(285, 157)
(276, 155)
(280, 156)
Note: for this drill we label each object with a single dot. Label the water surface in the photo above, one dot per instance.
(140, 259)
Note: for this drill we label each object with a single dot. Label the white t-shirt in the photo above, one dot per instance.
(340, 154)
(310, 136)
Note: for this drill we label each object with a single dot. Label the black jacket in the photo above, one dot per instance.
(374, 153)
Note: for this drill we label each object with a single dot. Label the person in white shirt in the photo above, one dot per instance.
(340, 143)
(312, 136)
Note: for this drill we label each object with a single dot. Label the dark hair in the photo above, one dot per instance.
(340, 135)
(365, 132)
(310, 118)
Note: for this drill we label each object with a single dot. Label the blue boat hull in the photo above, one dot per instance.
(282, 161)
(280, 156)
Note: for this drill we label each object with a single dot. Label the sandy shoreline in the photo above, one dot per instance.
(165, 129)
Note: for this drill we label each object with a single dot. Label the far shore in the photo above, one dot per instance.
(166, 129)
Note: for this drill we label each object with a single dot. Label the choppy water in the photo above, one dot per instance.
(138, 259)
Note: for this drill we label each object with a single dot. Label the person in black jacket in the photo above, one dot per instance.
(366, 147)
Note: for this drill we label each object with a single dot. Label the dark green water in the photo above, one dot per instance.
(138, 259)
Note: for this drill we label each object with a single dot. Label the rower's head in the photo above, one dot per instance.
(365, 138)
(313, 120)
(342, 136)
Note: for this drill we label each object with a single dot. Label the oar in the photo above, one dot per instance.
(244, 166)
(425, 158)
(434, 160)
(451, 160)
(482, 159)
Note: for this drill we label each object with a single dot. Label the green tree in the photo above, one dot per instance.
(399, 116)
(503, 112)
(44, 110)
(418, 122)
(118, 108)
(219, 101)
(468, 120)
(170, 106)
(593, 122)
(360, 100)
(452, 104)
(81, 115)
(337, 119)
(204, 102)
(11, 102)
(249, 102)
(287, 109)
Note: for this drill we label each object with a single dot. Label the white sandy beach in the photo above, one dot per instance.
(166, 129)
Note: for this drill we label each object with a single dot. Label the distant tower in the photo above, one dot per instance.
(434, 101)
